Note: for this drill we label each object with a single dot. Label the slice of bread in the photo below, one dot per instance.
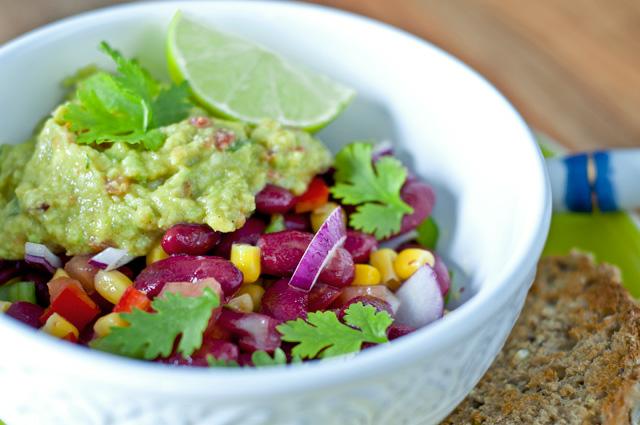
(573, 356)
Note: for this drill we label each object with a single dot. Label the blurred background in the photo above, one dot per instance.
(572, 67)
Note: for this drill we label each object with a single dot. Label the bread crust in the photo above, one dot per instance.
(573, 356)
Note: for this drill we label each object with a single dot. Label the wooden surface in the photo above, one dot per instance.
(572, 67)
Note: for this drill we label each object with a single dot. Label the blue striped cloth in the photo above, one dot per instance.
(596, 181)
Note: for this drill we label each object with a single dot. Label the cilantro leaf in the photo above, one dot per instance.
(128, 107)
(428, 233)
(262, 358)
(323, 335)
(151, 335)
(132, 76)
(375, 188)
(214, 362)
(104, 112)
(276, 224)
(171, 105)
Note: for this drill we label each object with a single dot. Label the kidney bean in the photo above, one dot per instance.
(78, 268)
(360, 245)
(245, 359)
(281, 252)
(299, 222)
(322, 296)
(190, 239)
(104, 305)
(377, 303)
(283, 302)
(249, 234)
(396, 331)
(10, 269)
(27, 313)
(184, 268)
(340, 270)
(219, 349)
(421, 197)
(442, 274)
(274, 199)
(377, 291)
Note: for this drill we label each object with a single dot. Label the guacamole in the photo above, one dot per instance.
(82, 198)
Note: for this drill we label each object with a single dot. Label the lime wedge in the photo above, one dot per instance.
(240, 80)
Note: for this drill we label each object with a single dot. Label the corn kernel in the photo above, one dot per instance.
(320, 214)
(366, 275)
(411, 259)
(247, 259)
(156, 254)
(59, 273)
(242, 303)
(111, 285)
(4, 306)
(382, 260)
(255, 292)
(103, 325)
(60, 327)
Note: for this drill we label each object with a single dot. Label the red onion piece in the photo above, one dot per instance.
(111, 259)
(39, 254)
(376, 291)
(329, 237)
(397, 243)
(421, 299)
(384, 148)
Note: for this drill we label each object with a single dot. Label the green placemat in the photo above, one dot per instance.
(610, 237)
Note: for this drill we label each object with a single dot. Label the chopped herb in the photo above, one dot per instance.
(276, 224)
(127, 107)
(213, 362)
(262, 358)
(153, 334)
(374, 188)
(428, 233)
(323, 335)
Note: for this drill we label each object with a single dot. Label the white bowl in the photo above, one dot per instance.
(455, 128)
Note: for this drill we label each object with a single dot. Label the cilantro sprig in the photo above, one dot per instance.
(128, 107)
(153, 334)
(323, 335)
(259, 358)
(374, 188)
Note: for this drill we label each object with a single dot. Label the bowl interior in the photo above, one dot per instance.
(453, 128)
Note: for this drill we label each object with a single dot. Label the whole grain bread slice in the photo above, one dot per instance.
(573, 356)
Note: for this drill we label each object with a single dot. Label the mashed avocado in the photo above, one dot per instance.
(81, 199)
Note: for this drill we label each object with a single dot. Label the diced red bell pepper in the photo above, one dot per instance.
(45, 316)
(132, 298)
(58, 284)
(74, 304)
(71, 337)
(317, 195)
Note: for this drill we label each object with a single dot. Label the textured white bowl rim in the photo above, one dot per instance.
(245, 382)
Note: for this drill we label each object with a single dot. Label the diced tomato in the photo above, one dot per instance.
(74, 304)
(317, 195)
(132, 298)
